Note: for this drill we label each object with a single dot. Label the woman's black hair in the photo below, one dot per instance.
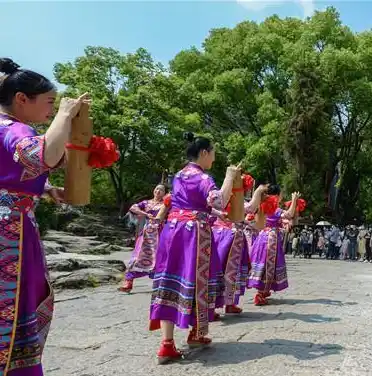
(16, 80)
(274, 189)
(196, 145)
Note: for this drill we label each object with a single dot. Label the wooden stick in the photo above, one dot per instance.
(260, 219)
(78, 174)
(237, 213)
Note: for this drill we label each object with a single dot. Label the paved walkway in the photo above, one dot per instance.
(321, 326)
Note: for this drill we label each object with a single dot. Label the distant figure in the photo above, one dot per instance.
(334, 236)
(143, 255)
(353, 237)
(321, 244)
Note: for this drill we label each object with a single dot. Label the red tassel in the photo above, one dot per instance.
(167, 200)
(270, 205)
(248, 182)
(301, 205)
(103, 152)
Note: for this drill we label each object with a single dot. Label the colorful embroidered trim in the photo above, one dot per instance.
(29, 152)
(202, 277)
(272, 243)
(233, 267)
(145, 260)
(22, 337)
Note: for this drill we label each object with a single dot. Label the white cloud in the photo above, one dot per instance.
(308, 6)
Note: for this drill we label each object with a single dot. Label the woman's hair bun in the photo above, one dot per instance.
(189, 136)
(8, 66)
(274, 189)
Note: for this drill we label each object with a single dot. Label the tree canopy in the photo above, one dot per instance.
(291, 98)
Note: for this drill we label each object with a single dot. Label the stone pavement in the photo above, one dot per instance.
(320, 326)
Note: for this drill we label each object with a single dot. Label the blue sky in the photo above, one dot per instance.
(38, 34)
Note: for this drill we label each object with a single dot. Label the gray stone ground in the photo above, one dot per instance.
(320, 326)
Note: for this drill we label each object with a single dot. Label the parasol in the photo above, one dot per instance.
(323, 223)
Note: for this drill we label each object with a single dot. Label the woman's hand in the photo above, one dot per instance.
(263, 188)
(232, 171)
(222, 215)
(296, 196)
(70, 107)
(57, 195)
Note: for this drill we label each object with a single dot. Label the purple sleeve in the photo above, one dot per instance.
(27, 149)
(140, 206)
(212, 194)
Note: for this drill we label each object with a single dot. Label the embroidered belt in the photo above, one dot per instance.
(234, 226)
(16, 201)
(188, 215)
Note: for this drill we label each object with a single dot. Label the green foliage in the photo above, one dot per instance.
(290, 98)
(44, 215)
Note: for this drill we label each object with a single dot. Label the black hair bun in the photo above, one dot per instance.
(8, 66)
(189, 136)
(274, 189)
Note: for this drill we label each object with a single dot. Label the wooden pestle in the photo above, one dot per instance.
(78, 174)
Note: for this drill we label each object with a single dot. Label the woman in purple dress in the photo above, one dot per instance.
(186, 281)
(26, 299)
(142, 261)
(233, 251)
(268, 268)
(250, 231)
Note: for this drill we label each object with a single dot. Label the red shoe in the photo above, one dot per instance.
(233, 310)
(168, 352)
(195, 341)
(216, 317)
(260, 300)
(127, 286)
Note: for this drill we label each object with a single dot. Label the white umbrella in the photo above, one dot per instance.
(323, 223)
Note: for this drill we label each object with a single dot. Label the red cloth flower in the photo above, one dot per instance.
(270, 205)
(228, 208)
(103, 152)
(167, 200)
(301, 205)
(248, 182)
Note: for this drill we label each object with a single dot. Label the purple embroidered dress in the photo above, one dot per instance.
(142, 261)
(187, 280)
(233, 251)
(250, 232)
(26, 298)
(269, 270)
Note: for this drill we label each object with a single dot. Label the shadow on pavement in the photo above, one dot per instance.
(239, 352)
(311, 301)
(263, 316)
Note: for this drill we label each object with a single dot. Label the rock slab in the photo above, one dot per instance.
(77, 262)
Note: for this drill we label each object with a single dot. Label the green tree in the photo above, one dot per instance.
(291, 98)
